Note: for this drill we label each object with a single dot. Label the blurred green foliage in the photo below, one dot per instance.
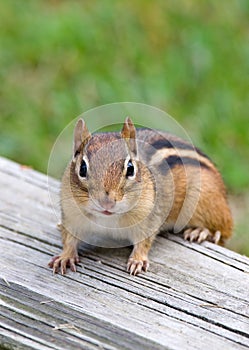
(189, 58)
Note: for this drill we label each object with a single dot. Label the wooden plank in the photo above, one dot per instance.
(193, 297)
(86, 327)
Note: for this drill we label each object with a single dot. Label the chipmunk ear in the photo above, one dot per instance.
(129, 134)
(81, 136)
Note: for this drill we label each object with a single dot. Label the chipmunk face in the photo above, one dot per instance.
(107, 170)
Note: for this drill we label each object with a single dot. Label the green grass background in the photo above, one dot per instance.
(187, 57)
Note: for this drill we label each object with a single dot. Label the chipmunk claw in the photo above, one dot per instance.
(137, 266)
(200, 235)
(61, 263)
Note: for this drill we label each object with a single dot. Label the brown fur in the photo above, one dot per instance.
(212, 210)
(175, 186)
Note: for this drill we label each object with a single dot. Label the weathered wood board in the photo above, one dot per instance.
(193, 297)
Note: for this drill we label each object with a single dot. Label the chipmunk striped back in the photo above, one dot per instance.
(198, 185)
(165, 146)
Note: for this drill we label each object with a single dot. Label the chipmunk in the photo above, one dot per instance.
(134, 184)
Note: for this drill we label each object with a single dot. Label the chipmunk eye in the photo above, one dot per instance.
(83, 169)
(130, 169)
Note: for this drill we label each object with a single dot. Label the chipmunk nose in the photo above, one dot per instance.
(107, 202)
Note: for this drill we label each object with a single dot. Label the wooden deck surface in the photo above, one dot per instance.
(193, 297)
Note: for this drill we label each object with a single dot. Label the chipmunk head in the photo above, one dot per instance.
(106, 169)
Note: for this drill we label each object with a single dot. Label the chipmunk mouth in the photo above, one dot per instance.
(106, 212)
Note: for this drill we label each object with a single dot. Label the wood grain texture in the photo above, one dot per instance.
(193, 297)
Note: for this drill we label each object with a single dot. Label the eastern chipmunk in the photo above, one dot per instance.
(133, 184)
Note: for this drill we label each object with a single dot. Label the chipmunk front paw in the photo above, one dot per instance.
(135, 266)
(63, 261)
